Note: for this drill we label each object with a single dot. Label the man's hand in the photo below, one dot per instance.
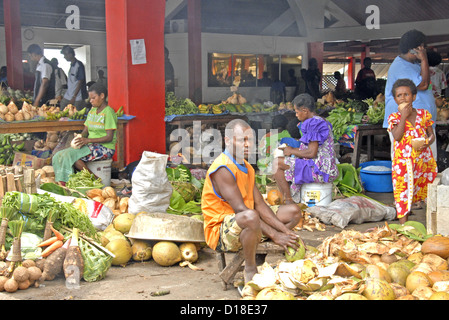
(286, 240)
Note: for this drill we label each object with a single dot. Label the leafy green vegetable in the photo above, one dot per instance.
(174, 105)
(84, 179)
(179, 206)
(376, 113)
(412, 229)
(340, 118)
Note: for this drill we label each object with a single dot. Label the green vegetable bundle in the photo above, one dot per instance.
(84, 179)
(38, 207)
(180, 177)
(341, 118)
(376, 113)
(180, 106)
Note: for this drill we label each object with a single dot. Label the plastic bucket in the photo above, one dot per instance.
(101, 169)
(316, 194)
(376, 181)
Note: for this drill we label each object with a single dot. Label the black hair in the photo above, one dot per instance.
(35, 48)
(304, 100)
(280, 121)
(99, 89)
(434, 58)
(292, 128)
(337, 75)
(67, 49)
(410, 40)
(404, 83)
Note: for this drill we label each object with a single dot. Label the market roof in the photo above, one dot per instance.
(342, 27)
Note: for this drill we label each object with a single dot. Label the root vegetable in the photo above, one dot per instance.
(40, 264)
(28, 263)
(53, 264)
(34, 273)
(21, 274)
(73, 263)
(24, 284)
(3, 280)
(11, 285)
(48, 242)
(57, 244)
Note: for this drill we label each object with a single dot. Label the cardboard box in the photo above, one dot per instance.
(28, 160)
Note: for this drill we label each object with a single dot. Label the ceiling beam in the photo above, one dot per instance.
(344, 19)
(280, 24)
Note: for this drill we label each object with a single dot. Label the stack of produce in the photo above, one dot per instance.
(376, 111)
(8, 149)
(17, 96)
(108, 197)
(179, 106)
(396, 262)
(186, 194)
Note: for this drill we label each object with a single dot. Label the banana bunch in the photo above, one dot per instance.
(79, 115)
(204, 108)
(7, 150)
(56, 115)
(120, 112)
(217, 109)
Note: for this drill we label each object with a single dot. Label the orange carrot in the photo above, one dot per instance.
(57, 233)
(47, 242)
(57, 244)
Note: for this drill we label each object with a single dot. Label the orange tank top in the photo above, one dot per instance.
(213, 206)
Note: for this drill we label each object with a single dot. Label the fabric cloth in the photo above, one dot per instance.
(321, 169)
(98, 153)
(229, 235)
(401, 69)
(63, 161)
(97, 124)
(76, 73)
(411, 170)
(213, 206)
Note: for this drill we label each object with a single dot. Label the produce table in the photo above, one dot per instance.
(73, 125)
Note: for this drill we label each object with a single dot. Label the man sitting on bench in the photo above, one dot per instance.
(235, 213)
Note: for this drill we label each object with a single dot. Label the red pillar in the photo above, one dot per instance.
(13, 41)
(139, 88)
(194, 36)
(351, 73)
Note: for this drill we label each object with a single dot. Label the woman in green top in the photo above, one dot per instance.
(97, 140)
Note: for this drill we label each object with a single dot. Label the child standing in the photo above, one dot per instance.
(412, 169)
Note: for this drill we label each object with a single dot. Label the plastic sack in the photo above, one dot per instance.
(355, 209)
(445, 177)
(151, 188)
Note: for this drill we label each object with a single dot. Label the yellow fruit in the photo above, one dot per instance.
(417, 279)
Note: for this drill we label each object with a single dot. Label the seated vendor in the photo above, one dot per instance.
(235, 213)
(97, 141)
(314, 160)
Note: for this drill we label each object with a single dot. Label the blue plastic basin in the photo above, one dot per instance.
(375, 181)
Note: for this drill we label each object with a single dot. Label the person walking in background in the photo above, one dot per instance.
(313, 79)
(301, 82)
(76, 93)
(340, 87)
(437, 77)
(366, 81)
(411, 63)
(413, 168)
(169, 73)
(44, 82)
(102, 79)
(60, 80)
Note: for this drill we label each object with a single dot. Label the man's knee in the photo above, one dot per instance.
(248, 219)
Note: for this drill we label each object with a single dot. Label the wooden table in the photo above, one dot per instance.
(75, 125)
(369, 130)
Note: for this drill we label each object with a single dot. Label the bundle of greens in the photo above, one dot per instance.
(174, 105)
(341, 118)
(186, 191)
(39, 207)
(84, 179)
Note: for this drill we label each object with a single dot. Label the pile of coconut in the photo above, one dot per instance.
(378, 265)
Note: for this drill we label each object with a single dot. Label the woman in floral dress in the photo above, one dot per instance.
(314, 160)
(412, 170)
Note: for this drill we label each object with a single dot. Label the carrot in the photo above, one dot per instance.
(57, 244)
(47, 242)
(57, 233)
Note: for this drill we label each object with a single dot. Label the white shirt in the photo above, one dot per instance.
(44, 68)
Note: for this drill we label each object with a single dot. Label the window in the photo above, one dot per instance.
(251, 70)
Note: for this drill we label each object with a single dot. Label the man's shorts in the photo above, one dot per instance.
(229, 235)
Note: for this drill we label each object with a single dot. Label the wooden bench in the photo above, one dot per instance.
(228, 271)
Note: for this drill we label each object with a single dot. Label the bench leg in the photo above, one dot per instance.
(228, 273)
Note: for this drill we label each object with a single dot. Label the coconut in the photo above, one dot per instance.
(388, 258)
(438, 245)
(92, 193)
(374, 271)
(417, 279)
(123, 222)
(28, 263)
(398, 273)
(21, 274)
(189, 252)
(423, 292)
(35, 273)
(293, 255)
(11, 285)
(110, 203)
(377, 289)
(141, 250)
(3, 280)
(111, 235)
(438, 275)
(407, 297)
(441, 286)
(351, 296)
(399, 291)
(109, 192)
(24, 284)
(166, 253)
(435, 261)
(122, 251)
(423, 267)
(439, 296)
(415, 257)
(274, 293)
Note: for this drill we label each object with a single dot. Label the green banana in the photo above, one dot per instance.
(120, 112)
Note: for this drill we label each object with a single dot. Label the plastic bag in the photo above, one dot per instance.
(151, 188)
(355, 209)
